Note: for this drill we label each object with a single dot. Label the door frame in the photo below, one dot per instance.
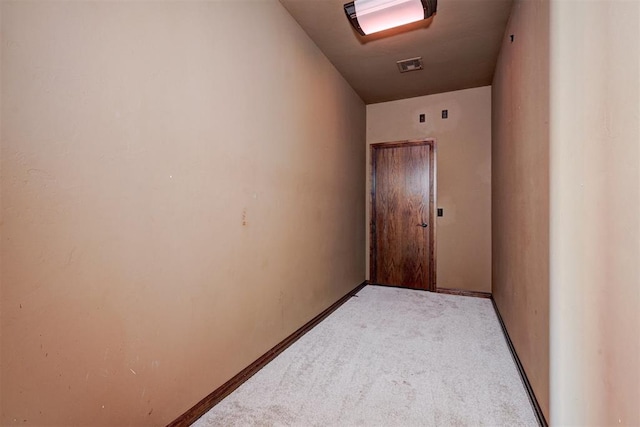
(431, 142)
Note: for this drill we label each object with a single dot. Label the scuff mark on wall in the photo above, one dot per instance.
(70, 257)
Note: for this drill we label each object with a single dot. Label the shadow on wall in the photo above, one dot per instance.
(521, 189)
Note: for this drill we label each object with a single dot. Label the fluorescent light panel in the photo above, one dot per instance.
(371, 16)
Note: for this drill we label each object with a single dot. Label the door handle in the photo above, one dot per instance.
(423, 225)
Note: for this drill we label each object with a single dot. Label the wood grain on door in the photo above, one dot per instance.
(401, 227)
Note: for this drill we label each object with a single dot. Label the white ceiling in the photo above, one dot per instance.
(459, 46)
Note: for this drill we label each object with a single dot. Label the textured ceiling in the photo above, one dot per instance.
(459, 46)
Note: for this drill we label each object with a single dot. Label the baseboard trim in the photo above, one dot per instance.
(384, 285)
(463, 292)
(202, 407)
(523, 375)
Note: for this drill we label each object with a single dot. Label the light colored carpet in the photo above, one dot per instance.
(388, 357)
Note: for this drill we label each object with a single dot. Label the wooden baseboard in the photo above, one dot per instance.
(384, 285)
(523, 375)
(463, 292)
(201, 408)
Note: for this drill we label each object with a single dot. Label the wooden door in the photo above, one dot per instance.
(402, 214)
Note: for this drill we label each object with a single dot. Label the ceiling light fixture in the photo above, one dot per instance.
(371, 16)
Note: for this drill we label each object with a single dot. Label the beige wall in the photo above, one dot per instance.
(182, 188)
(595, 213)
(520, 188)
(566, 207)
(464, 176)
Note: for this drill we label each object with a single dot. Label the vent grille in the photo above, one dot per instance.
(411, 64)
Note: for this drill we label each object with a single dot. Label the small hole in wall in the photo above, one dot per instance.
(512, 37)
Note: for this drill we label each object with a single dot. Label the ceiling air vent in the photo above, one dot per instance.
(411, 64)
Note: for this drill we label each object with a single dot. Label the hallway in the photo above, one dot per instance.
(186, 184)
